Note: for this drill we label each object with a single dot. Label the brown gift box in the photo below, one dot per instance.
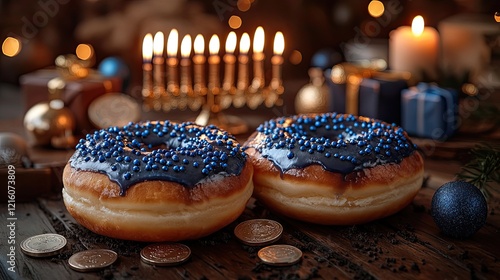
(77, 96)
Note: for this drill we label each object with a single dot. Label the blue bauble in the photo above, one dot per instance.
(325, 58)
(115, 67)
(459, 209)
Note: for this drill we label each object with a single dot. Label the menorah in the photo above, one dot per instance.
(184, 84)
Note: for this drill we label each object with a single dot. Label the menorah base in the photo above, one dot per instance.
(232, 124)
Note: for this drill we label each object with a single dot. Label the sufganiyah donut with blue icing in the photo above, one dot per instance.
(334, 169)
(157, 181)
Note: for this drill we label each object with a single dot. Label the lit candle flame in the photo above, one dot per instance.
(258, 40)
(172, 43)
(147, 47)
(199, 44)
(417, 26)
(158, 43)
(279, 43)
(231, 42)
(214, 45)
(186, 46)
(244, 43)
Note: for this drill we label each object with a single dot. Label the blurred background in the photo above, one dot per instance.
(48, 28)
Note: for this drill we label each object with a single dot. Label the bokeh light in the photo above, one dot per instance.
(11, 46)
(84, 51)
(295, 57)
(234, 22)
(376, 8)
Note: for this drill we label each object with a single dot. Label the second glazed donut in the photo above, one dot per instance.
(334, 169)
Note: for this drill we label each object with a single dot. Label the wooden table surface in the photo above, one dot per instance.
(407, 245)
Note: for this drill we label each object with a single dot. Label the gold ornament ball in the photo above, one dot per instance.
(50, 124)
(13, 150)
(312, 99)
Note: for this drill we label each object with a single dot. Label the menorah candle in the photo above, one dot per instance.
(229, 61)
(213, 64)
(243, 62)
(158, 64)
(186, 86)
(258, 59)
(172, 62)
(277, 60)
(199, 64)
(147, 53)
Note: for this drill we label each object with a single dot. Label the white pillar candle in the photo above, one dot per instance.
(415, 49)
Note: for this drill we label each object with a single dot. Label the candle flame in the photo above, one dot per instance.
(158, 43)
(231, 42)
(173, 43)
(147, 47)
(258, 40)
(186, 46)
(279, 43)
(199, 44)
(417, 26)
(214, 45)
(244, 43)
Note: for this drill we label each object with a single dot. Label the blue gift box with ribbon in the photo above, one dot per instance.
(373, 97)
(429, 111)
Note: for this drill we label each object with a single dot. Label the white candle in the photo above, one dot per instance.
(258, 59)
(158, 61)
(415, 49)
(172, 62)
(229, 61)
(199, 64)
(147, 54)
(277, 60)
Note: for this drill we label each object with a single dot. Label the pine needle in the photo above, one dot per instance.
(484, 168)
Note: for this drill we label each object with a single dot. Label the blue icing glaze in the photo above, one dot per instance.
(339, 143)
(184, 153)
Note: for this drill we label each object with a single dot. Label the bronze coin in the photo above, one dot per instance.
(165, 254)
(280, 255)
(113, 109)
(92, 260)
(43, 245)
(258, 232)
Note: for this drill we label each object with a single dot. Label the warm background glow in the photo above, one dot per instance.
(295, 57)
(11, 46)
(234, 22)
(84, 51)
(244, 5)
(376, 8)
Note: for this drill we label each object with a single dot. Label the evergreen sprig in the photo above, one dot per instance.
(484, 167)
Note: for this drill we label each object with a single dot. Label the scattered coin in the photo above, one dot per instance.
(258, 232)
(280, 255)
(43, 245)
(165, 254)
(92, 260)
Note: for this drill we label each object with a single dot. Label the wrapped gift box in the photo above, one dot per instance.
(375, 97)
(429, 111)
(77, 96)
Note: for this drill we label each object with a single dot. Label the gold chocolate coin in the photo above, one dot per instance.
(165, 254)
(258, 232)
(280, 255)
(92, 260)
(113, 109)
(43, 245)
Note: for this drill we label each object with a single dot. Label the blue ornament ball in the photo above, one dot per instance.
(325, 58)
(115, 67)
(459, 209)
